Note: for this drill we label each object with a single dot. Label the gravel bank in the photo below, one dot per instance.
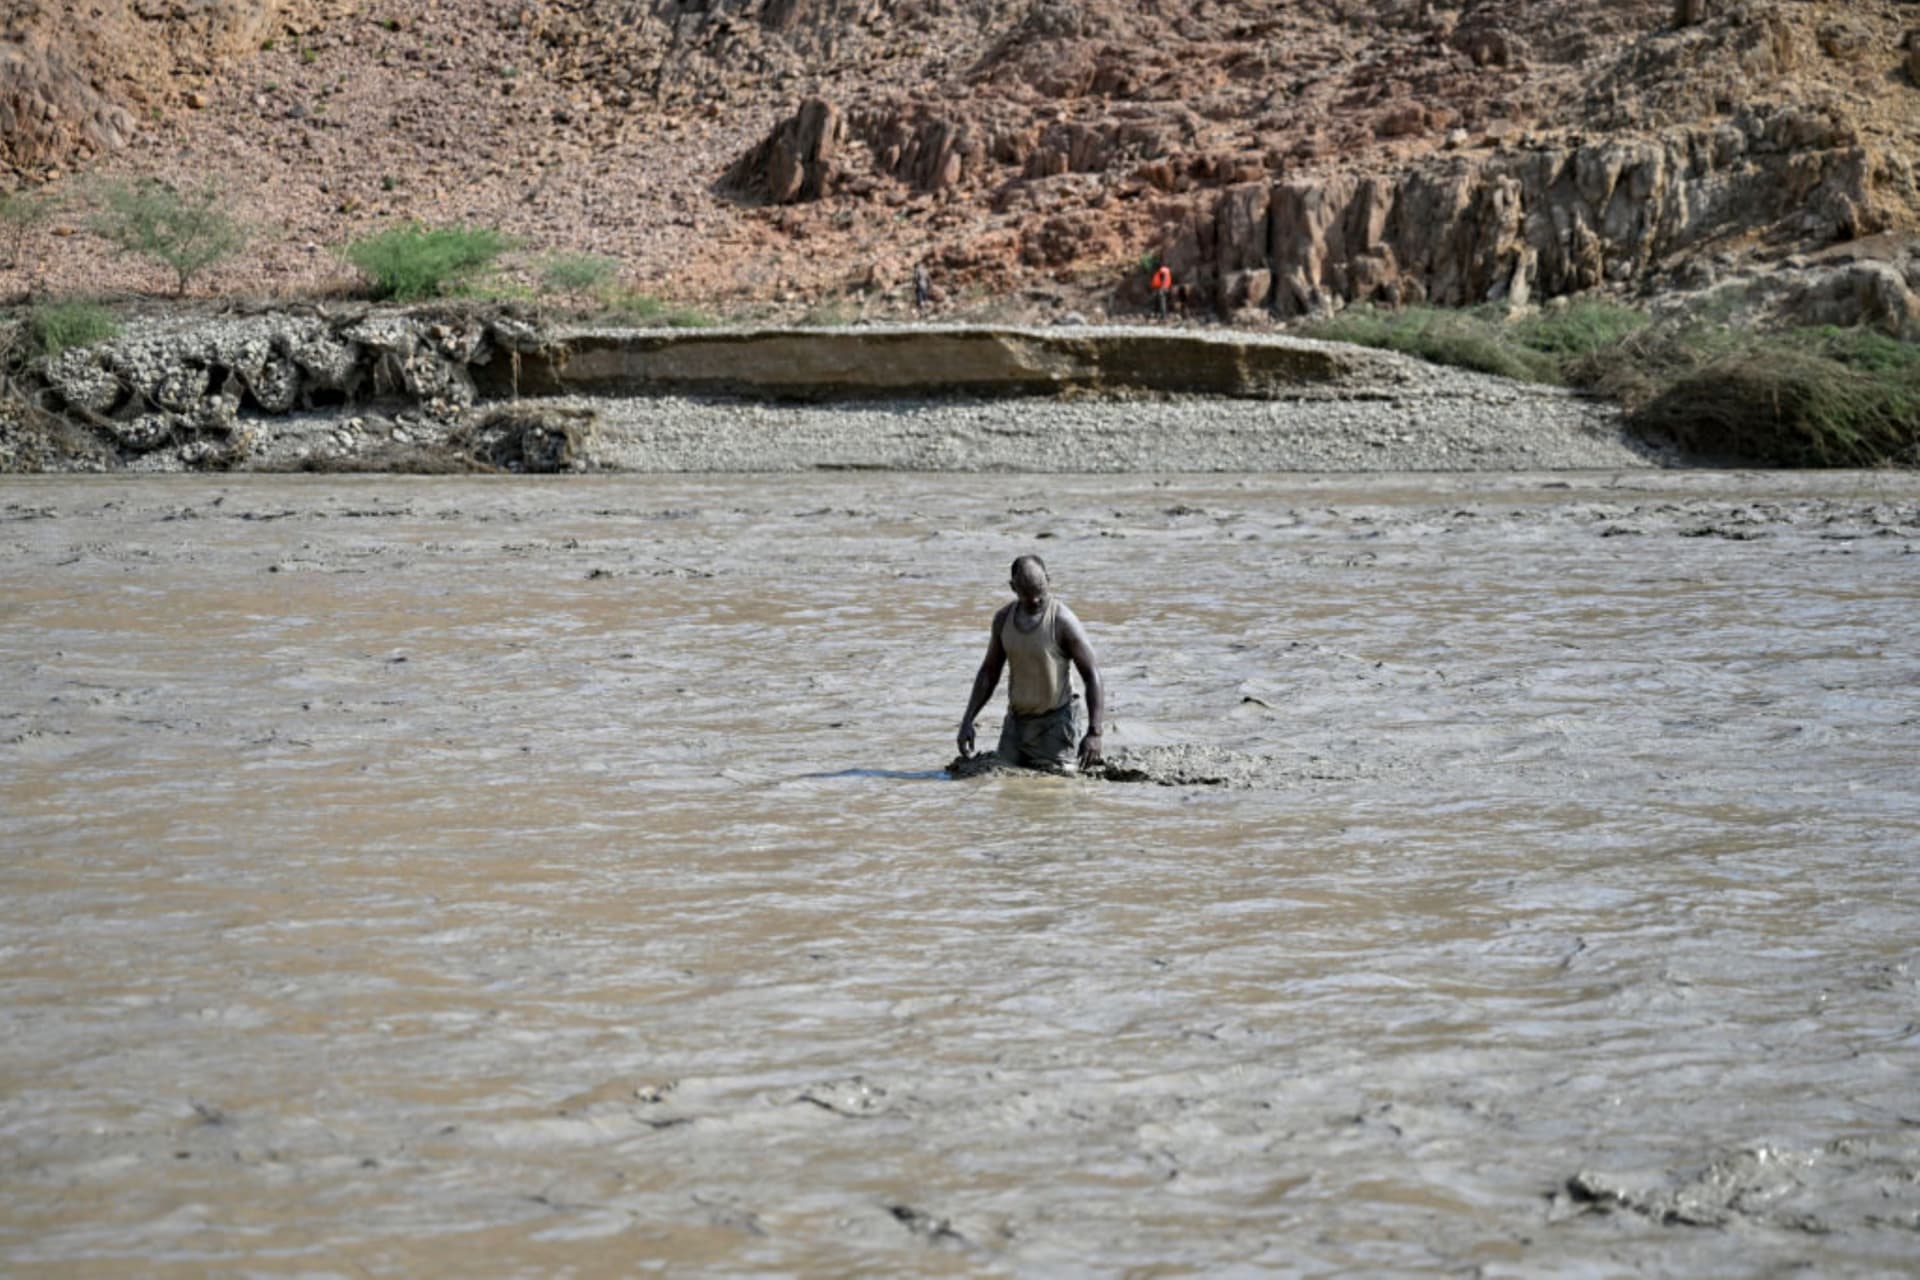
(1462, 423)
(1422, 419)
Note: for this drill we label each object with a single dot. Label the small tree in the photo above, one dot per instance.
(184, 231)
(20, 213)
(583, 275)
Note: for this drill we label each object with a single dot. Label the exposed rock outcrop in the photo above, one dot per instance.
(70, 74)
(49, 110)
(1716, 145)
(1522, 225)
(797, 161)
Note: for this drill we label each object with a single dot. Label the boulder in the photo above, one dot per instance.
(796, 161)
(1871, 293)
(1844, 41)
(214, 416)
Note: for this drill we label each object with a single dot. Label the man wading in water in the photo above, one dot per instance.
(1036, 635)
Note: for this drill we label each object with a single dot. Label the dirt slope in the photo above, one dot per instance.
(1282, 154)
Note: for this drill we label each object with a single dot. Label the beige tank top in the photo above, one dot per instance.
(1036, 664)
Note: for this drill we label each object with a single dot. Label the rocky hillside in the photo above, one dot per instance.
(1281, 155)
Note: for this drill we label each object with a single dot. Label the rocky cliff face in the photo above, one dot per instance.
(1517, 226)
(1280, 155)
(1293, 162)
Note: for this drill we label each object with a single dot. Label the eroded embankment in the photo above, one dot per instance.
(437, 390)
(838, 364)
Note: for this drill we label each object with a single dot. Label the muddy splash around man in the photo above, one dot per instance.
(1035, 638)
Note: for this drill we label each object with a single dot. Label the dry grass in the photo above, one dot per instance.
(1796, 398)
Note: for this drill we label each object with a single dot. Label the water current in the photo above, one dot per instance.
(502, 877)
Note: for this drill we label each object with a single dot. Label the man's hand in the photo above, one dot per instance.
(1090, 748)
(965, 739)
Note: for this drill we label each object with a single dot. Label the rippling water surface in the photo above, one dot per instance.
(458, 877)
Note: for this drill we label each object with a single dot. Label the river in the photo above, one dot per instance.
(426, 876)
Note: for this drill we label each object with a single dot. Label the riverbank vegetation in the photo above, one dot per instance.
(1798, 397)
(411, 262)
(52, 327)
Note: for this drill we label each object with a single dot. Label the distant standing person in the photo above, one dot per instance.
(922, 286)
(1037, 637)
(1162, 289)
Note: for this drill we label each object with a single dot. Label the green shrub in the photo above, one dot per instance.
(410, 262)
(52, 327)
(185, 231)
(1577, 330)
(1802, 398)
(580, 274)
(638, 306)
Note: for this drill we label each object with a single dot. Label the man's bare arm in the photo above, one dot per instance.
(1073, 640)
(985, 681)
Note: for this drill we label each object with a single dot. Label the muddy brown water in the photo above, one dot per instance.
(456, 877)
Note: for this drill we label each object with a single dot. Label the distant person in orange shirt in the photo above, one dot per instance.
(1162, 289)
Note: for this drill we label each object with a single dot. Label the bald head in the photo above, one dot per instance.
(1030, 569)
(1029, 581)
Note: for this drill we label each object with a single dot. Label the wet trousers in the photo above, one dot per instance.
(1050, 740)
